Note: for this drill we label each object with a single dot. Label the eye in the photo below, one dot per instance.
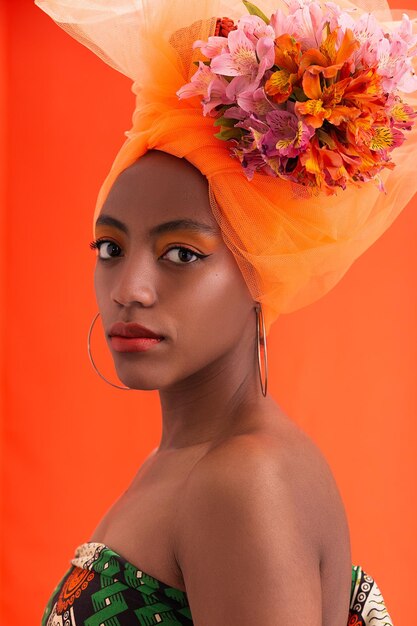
(107, 251)
(182, 255)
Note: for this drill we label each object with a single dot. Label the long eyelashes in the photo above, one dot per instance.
(96, 245)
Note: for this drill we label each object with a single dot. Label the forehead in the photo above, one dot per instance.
(159, 187)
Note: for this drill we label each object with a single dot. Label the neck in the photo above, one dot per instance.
(222, 399)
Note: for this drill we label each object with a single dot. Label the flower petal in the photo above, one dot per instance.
(312, 86)
(312, 57)
(287, 53)
(312, 111)
(224, 64)
(339, 114)
(212, 47)
(265, 49)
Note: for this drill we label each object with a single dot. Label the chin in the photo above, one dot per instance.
(138, 381)
(141, 377)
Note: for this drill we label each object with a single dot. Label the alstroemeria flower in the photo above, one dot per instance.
(325, 167)
(216, 95)
(252, 123)
(213, 47)
(369, 33)
(311, 95)
(199, 83)
(330, 58)
(255, 101)
(402, 114)
(287, 57)
(282, 24)
(385, 138)
(242, 58)
(255, 28)
(211, 87)
(250, 157)
(325, 104)
(365, 91)
(290, 134)
(238, 85)
(309, 21)
(394, 65)
(359, 130)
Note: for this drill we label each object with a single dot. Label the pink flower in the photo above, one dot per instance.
(290, 134)
(282, 24)
(207, 84)
(251, 123)
(199, 84)
(311, 96)
(401, 114)
(309, 23)
(366, 30)
(213, 47)
(242, 58)
(236, 113)
(405, 32)
(255, 101)
(394, 65)
(239, 85)
(255, 28)
(216, 95)
(251, 160)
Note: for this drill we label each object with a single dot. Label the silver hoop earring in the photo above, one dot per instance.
(260, 321)
(92, 361)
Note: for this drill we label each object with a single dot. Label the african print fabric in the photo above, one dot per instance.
(367, 606)
(101, 588)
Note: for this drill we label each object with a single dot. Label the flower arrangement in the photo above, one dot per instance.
(310, 95)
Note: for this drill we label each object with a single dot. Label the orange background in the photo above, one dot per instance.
(343, 368)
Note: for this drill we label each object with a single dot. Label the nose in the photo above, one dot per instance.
(135, 283)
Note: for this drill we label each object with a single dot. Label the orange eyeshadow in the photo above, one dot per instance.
(106, 231)
(205, 243)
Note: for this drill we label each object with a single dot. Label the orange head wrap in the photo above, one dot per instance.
(292, 246)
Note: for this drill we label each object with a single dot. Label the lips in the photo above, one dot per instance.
(132, 330)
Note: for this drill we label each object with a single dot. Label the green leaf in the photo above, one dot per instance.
(227, 122)
(253, 10)
(299, 94)
(229, 133)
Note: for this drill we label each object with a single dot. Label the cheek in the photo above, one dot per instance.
(217, 308)
(98, 286)
(101, 288)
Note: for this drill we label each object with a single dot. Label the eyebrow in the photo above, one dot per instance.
(188, 224)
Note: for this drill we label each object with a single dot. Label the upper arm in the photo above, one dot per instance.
(243, 549)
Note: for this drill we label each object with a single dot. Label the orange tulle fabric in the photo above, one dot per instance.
(291, 245)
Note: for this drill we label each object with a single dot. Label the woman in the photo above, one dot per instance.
(241, 498)
(221, 438)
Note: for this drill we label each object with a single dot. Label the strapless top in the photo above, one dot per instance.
(102, 587)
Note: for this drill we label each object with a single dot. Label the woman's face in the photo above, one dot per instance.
(163, 264)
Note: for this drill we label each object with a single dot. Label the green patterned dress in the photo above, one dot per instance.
(102, 588)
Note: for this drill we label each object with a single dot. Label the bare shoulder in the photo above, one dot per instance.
(279, 467)
(251, 516)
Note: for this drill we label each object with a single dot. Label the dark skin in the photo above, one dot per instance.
(236, 496)
(184, 301)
